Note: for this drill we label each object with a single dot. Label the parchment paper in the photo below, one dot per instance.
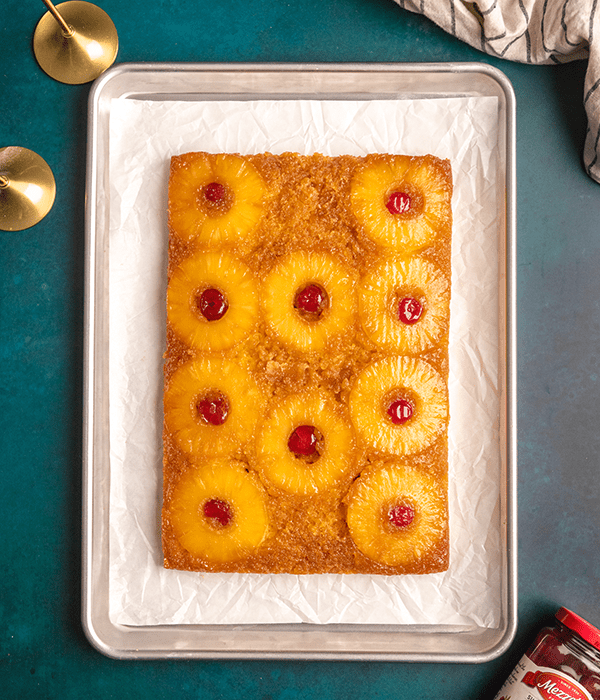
(143, 137)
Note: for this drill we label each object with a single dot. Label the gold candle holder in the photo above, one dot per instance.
(27, 188)
(75, 42)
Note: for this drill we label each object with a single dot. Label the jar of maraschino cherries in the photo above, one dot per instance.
(563, 663)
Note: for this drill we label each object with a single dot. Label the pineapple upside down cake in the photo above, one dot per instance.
(306, 368)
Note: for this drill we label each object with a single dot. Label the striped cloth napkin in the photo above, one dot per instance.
(531, 31)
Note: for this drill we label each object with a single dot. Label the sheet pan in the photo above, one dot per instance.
(321, 85)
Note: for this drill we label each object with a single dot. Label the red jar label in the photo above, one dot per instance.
(551, 686)
(531, 682)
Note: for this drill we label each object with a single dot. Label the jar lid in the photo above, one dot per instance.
(586, 631)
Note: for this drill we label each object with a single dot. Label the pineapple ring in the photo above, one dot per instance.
(206, 376)
(390, 375)
(279, 466)
(191, 219)
(369, 502)
(292, 274)
(427, 177)
(230, 482)
(230, 276)
(378, 300)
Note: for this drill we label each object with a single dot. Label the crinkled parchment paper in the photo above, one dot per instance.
(144, 134)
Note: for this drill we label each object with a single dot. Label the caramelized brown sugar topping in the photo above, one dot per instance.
(307, 347)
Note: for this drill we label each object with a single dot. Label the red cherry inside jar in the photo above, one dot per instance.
(213, 409)
(215, 192)
(409, 310)
(398, 203)
(212, 304)
(591, 682)
(218, 512)
(303, 441)
(311, 300)
(400, 411)
(401, 515)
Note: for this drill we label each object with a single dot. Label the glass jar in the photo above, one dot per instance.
(563, 663)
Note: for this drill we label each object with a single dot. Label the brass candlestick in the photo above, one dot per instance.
(27, 188)
(75, 42)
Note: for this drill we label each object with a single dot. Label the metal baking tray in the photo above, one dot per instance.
(202, 82)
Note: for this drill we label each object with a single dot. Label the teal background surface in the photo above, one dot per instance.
(43, 650)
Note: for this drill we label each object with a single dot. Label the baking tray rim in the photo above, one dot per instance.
(120, 641)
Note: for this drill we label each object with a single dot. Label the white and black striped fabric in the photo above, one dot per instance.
(531, 31)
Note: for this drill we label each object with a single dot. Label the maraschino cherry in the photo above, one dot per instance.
(311, 300)
(401, 515)
(398, 203)
(214, 192)
(303, 441)
(409, 310)
(400, 411)
(212, 304)
(213, 409)
(218, 511)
